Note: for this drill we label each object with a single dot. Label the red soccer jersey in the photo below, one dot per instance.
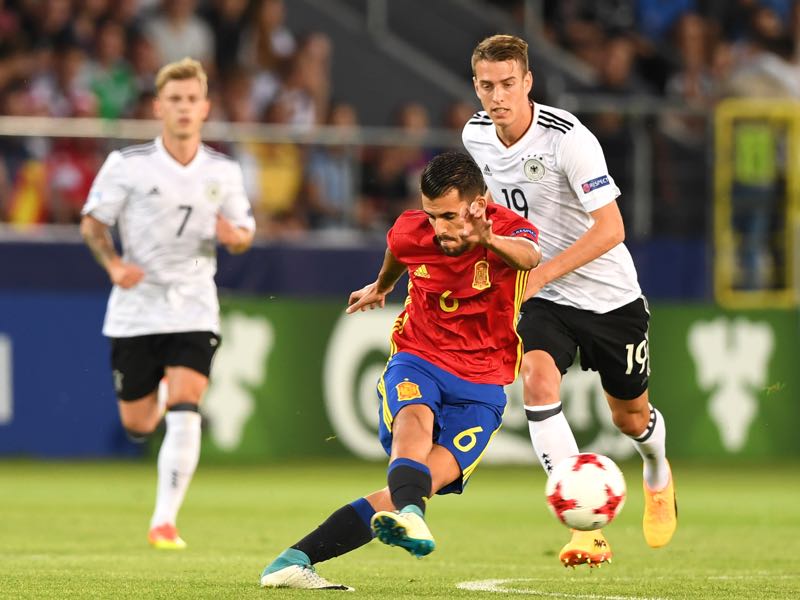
(461, 311)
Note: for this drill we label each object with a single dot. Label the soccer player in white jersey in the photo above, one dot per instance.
(543, 163)
(172, 199)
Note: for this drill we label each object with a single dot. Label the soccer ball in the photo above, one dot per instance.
(586, 491)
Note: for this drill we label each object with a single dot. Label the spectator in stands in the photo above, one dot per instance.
(85, 18)
(765, 70)
(331, 173)
(71, 167)
(177, 32)
(237, 101)
(143, 106)
(143, 58)
(278, 174)
(390, 172)
(65, 92)
(228, 20)
(9, 23)
(112, 78)
(48, 22)
(456, 114)
(693, 83)
(23, 197)
(266, 45)
(617, 78)
(656, 18)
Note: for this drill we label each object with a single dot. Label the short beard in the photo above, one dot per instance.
(456, 251)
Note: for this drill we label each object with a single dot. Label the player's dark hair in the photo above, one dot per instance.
(451, 170)
(498, 48)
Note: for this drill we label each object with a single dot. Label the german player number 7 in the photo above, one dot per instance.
(188, 214)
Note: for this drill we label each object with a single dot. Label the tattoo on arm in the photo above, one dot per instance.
(98, 238)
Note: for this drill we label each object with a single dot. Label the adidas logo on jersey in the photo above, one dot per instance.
(487, 171)
(154, 192)
(422, 271)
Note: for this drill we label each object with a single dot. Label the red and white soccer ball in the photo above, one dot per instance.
(586, 491)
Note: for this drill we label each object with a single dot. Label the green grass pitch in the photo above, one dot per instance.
(77, 530)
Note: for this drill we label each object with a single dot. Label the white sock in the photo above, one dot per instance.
(651, 444)
(551, 435)
(177, 460)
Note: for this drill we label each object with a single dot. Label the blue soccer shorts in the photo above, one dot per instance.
(466, 415)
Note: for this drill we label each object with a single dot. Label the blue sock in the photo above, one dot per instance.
(287, 558)
(365, 511)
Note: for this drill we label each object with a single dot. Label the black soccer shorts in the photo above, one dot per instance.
(138, 362)
(615, 344)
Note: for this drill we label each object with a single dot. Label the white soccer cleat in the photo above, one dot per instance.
(299, 577)
(406, 529)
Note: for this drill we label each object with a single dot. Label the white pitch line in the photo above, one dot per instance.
(497, 586)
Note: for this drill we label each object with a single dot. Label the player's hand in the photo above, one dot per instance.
(367, 297)
(227, 233)
(125, 275)
(477, 228)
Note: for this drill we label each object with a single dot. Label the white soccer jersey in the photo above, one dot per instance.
(555, 175)
(166, 213)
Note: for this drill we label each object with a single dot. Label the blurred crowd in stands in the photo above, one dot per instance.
(98, 58)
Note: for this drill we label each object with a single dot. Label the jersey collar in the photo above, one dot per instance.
(526, 134)
(168, 158)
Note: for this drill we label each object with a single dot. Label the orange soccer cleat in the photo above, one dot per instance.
(165, 537)
(660, 514)
(586, 547)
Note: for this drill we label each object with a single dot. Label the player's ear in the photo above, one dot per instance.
(527, 81)
(157, 107)
(480, 201)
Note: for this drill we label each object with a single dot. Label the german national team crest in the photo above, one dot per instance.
(480, 281)
(534, 169)
(212, 191)
(407, 390)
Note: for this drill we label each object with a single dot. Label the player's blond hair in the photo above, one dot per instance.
(499, 48)
(187, 68)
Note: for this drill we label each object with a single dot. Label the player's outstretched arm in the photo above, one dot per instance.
(517, 252)
(98, 238)
(235, 239)
(374, 295)
(607, 231)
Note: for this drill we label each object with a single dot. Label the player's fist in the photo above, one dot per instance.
(125, 275)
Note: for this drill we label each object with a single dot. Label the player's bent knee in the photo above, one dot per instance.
(539, 392)
(630, 423)
(137, 436)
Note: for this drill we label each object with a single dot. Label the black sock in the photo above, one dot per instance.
(409, 483)
(345, 530)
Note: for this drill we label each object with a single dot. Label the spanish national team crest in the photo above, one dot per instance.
(212, 191)
(534, 169)
(407, 390)
(480, 281)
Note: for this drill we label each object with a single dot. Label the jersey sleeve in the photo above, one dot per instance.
(515, 226)
(401, 239)
(235, 206)
(584, 166)
(109, 191)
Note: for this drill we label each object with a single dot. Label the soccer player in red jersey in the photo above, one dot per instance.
(453, 348)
